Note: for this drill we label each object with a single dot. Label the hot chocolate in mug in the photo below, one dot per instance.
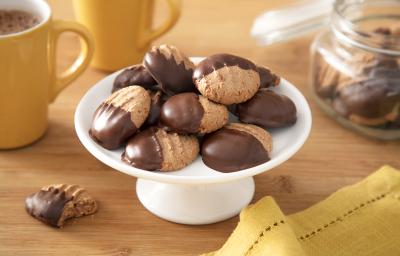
(122, 29)
(28, 79)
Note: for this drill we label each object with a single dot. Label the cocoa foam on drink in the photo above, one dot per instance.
(13, 21)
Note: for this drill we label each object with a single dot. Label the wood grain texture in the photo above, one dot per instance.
(333, 157)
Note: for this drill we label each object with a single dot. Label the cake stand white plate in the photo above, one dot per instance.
(196, 194)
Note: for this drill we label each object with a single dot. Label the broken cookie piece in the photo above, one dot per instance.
(54, 204)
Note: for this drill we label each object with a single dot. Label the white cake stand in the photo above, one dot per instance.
(196, 194)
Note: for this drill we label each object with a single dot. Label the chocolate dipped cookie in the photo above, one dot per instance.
(268, 109)
(192, 113)
(135, 75)
(155, 149)
(371, 102)
(120, 116)
(170, 68)
(236, 147)
(226, 78)
(55, 204)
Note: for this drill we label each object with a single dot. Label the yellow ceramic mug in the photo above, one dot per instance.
(28, 80)
(122, 29)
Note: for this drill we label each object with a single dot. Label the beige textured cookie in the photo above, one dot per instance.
(236, 147)
(189, 113)
(57, 203)
(155, 149)
(120, 116)
(215, 115)
(178, 150)
(226, 79)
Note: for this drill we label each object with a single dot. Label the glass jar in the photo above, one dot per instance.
(355, 71)
(355, 65)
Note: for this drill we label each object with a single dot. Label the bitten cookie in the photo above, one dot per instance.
(236, 147)
(267, 78)
(226, 79)
(155, 149)
(120, 116)
(135, 75)
(170, 68)
(370, 102)
(191, 113)
(267, 109)
(55, 204)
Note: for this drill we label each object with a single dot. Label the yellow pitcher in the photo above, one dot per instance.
(122, 29)
(28, 80)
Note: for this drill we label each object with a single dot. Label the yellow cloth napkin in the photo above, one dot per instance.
(358, 220)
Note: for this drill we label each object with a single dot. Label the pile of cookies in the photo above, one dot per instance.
(369, 94)
(162, 109)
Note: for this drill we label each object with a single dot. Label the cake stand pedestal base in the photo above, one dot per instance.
(195, 204)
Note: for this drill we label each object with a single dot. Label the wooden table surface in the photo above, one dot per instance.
(333, 157)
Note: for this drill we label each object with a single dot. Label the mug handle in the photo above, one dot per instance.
(61, 81)
(174, 7)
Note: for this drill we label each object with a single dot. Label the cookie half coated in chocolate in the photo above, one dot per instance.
(268, 109)
(155, 149)
(192, 113)
(170, 68)
(55, 204)
(236, 147)
(370, 102)
(135, 75)
(267, 78)
(226, 78)
(120, 116)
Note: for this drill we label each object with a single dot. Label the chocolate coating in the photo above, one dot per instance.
(268, 109)
(182, 113)
(157, 101)
(267, 78)
(217, 61)
(111, 126)
(47, 206)
(371, 98)
(229, 150)
(144, 151)
(135, 75)
(172, 77)
(232, 109)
